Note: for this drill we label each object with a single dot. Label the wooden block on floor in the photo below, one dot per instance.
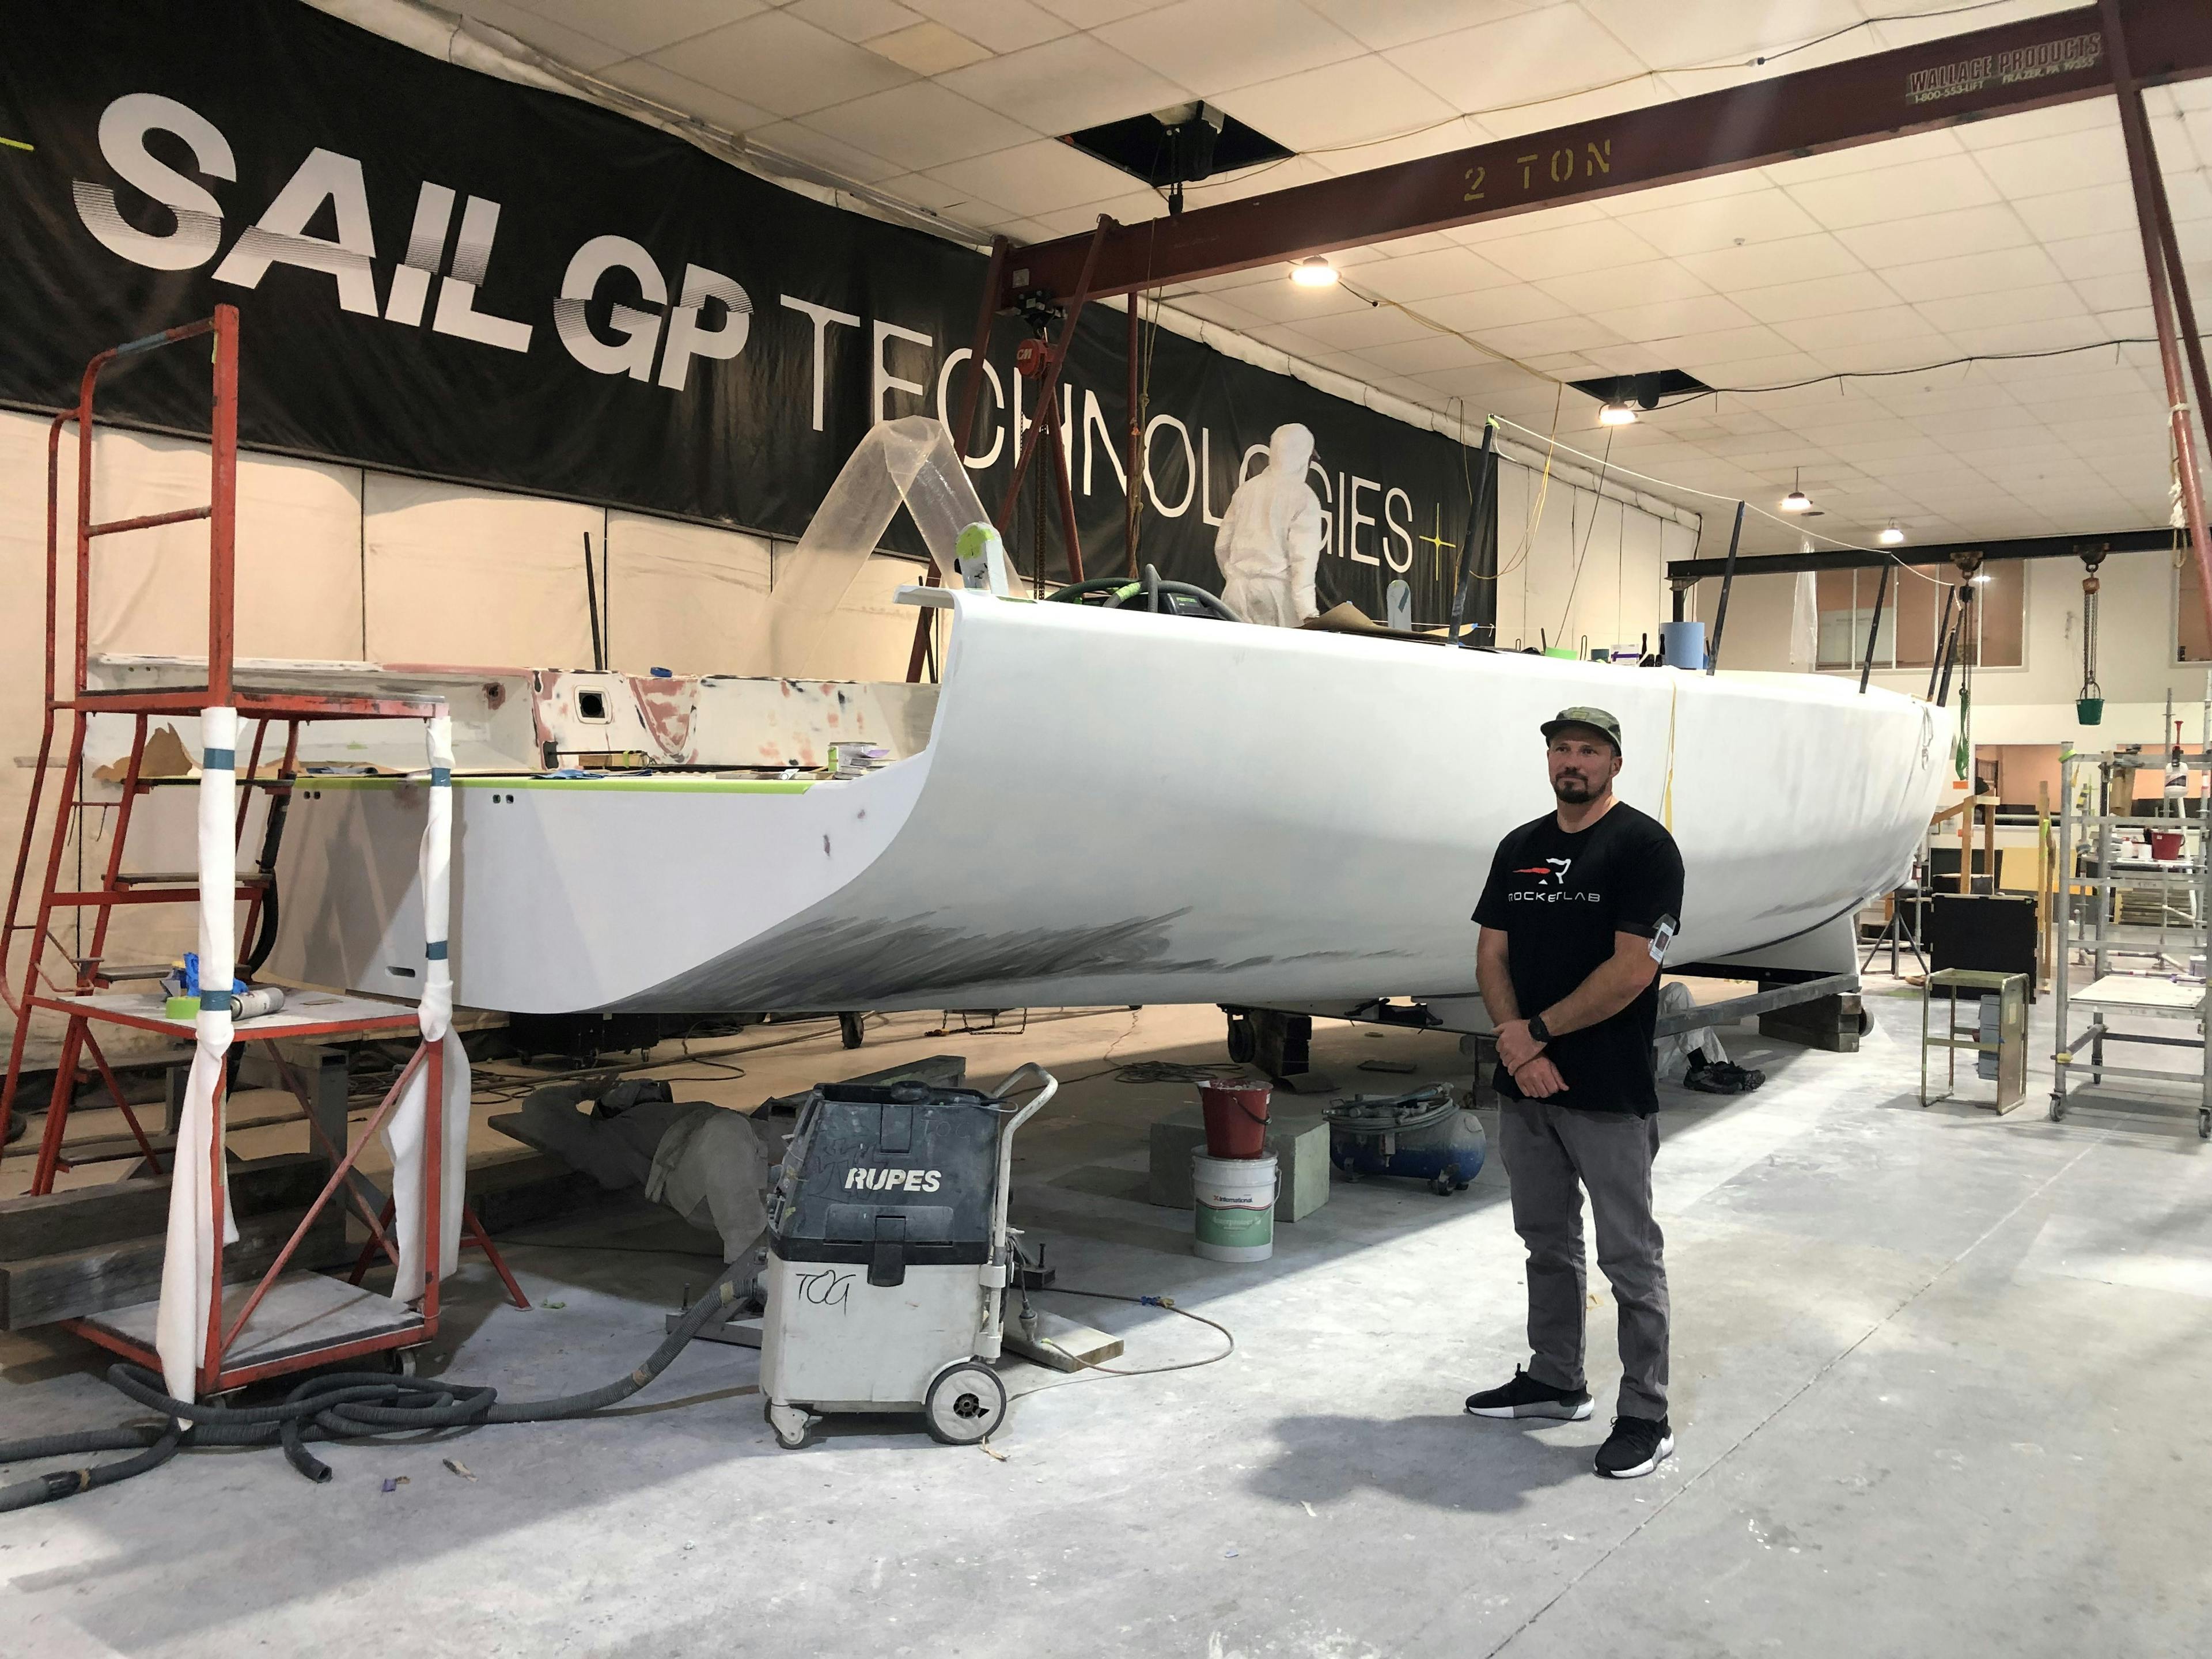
(1299, 1140)
(1064, 1345)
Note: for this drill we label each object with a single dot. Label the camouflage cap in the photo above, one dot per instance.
(1597, 719)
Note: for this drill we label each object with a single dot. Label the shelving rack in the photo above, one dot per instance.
(2138, 967)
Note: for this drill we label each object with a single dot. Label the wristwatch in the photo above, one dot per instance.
(1538, 1029)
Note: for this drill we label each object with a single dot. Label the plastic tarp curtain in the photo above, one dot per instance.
(910, 461)
(188, 1267)
(406, 1133)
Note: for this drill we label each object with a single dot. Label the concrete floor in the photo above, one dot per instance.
(1937, 1387)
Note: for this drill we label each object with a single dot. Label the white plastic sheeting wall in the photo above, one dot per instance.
(1581, 569)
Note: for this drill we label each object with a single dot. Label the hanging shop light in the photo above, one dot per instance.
(1316, 272)
(1891, 537)
(1796, 500)
(1616, 414)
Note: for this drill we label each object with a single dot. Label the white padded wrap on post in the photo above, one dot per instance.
(188, 1268)
(403, 1134)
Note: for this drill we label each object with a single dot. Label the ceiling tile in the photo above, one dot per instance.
(1667, 319)
(1766, 215)
(1036, 178)
(781, 62)
(1973, 273)
(1942, 186)
(1218, 46)
(1823, 296)
(1739, 353)
(1215, 308)
(1004, 26)
(790, 138)
(1131, 209)
(921, 125)
(574, 46)
(1426, 355)
(1401, 22)
(855, 20)
(2100, 210)
(2079, 161)
(1423, 277)
(1648, 283)
(1530, 340)
(1357, 101)
(1460, 134)
(1703, 31)
(1769, 264)
(1937, 236)
(638, 25)
(1896, 324)
(1281, 300)
(1090, 13)
(1558, 252)
(1066, 85)
(650, 80)
(1356, 330)
(2027, 305)
(2077, 256)
(928, 48)
(1494, 307)
(1517, 60)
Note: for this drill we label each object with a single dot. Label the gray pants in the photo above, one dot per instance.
(1549, 1151)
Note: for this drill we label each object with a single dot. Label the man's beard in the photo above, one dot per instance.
(1574, 791)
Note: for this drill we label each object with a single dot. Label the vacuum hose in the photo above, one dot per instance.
(333, 1405)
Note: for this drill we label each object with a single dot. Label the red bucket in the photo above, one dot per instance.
(2165, 845)
(1235, 1118)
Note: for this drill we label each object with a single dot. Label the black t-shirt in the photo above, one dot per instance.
(1559, 899)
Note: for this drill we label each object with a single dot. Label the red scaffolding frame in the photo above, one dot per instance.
(82, 989)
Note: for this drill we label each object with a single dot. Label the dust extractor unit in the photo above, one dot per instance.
(889, 1255)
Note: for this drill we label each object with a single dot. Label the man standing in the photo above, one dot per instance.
(1576, 919)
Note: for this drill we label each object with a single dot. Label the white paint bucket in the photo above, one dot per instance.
(1235, 1216)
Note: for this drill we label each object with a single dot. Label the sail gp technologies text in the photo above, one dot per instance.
(881, 1180)
(709, 318)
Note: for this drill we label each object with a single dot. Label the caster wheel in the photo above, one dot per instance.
(1445, 1182)
(965, 1403)
(852, 1028)
(1243, 1042)
(791, 1424)
(2203, 1123)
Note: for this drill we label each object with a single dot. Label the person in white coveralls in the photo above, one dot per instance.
(1269, 543)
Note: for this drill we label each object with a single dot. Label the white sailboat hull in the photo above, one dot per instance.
(1113, 807)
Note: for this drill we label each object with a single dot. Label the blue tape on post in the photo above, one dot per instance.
(440, 778)
(435, 951)
(218, 1002)
(221, 760)
(145, 342)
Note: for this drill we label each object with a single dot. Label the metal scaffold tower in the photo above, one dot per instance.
(322, 1320)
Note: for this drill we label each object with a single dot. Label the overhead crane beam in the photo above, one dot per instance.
(2057, 58)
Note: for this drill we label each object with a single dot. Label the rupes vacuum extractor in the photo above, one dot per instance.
(889, 1257)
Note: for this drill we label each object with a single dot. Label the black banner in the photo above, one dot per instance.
(443, 273)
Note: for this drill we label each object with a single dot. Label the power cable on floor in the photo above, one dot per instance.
(1092, 1369)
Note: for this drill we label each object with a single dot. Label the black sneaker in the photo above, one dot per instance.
(1524, 1397)
(1637, 1446)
